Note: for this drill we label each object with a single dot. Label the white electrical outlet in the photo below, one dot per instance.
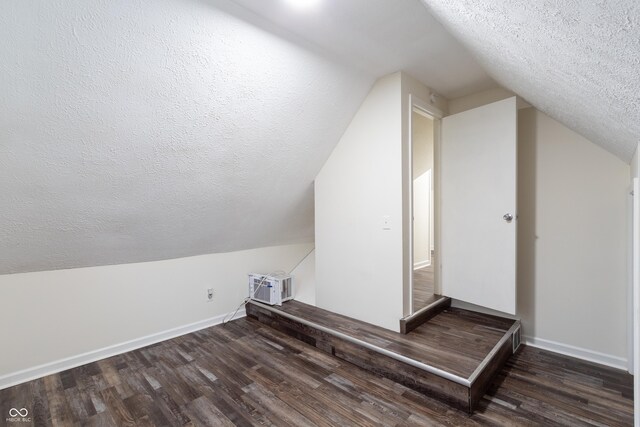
(209, 294)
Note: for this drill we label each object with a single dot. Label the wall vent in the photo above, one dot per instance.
(516, 339)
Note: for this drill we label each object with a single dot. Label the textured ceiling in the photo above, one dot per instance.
(135, 130)
(144, 130)
(578, 61)
(381, 37)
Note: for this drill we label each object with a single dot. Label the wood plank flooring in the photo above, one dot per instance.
(445, 349)
(454, 340)
(249, 374)
(423, 286)
(416, 319)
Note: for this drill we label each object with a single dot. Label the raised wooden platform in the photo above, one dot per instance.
(453, 356)
(436, 306)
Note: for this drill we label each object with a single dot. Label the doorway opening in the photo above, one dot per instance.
(423, 242)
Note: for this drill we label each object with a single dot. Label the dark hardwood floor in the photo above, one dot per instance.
(453, 357)
(423, 287)
(417, 318)
(249, 374)
(454, 340)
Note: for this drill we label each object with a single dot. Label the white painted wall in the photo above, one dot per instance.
(634, 292)
(362, 270)
(572, 241)
(54, 315)
(422, 213)
(358, 263)
(635, 163)
(632, 261)
(464, 103)
(422, 134)
(305, 280)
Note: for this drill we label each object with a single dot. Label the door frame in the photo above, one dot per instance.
(635, 275)
(434, 113)
(630, 272)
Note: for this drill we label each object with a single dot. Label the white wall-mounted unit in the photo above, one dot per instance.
(270, 289)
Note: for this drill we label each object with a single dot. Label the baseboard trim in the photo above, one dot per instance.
(421, 264)
(577, 352)
(15, 378)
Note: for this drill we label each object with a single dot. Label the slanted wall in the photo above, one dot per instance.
(358, 259)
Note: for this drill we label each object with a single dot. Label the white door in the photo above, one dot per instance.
(478, 244)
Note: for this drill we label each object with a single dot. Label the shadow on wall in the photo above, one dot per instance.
(527, 237)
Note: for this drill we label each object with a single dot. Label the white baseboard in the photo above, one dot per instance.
(421, 264)
(29, 374)
(577, 352)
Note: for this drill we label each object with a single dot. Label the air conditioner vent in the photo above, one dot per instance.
(270, 289)
(261, 292)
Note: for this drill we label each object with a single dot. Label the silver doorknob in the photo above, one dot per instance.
(507, 217)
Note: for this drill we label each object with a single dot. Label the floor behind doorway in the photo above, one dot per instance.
(423, 286)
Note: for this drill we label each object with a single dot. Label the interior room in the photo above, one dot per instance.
(422, 287)
(319, 212)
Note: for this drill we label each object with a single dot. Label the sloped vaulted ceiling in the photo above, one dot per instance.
(578, 61)
(145, 130)
(135, 130)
